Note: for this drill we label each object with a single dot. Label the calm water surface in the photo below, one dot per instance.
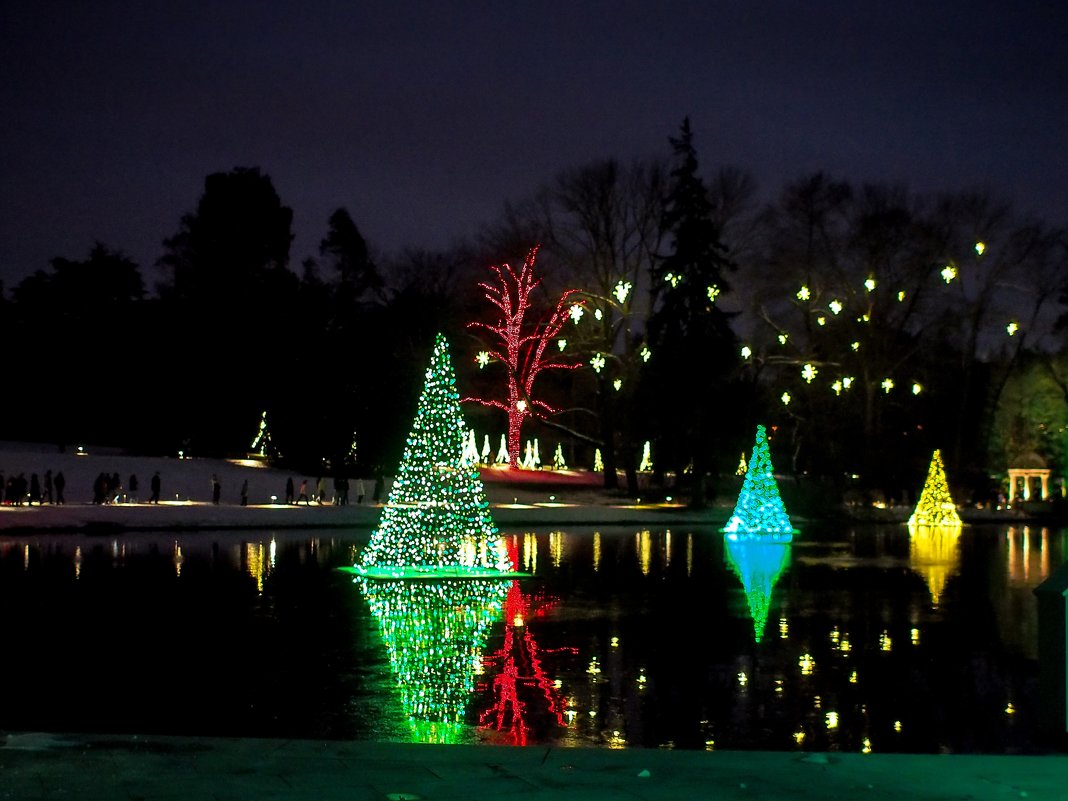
(847, 639)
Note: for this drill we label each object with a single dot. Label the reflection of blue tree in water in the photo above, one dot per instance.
(435, 633)
(758, 563)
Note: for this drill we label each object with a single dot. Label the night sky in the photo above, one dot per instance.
(423, 119)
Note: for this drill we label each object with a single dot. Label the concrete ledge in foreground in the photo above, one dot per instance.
(90, 767)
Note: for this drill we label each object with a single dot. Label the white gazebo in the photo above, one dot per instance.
(1031, 467)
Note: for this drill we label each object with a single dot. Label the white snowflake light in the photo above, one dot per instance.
(621, 290)
(949, 272)
(597, 362)
(808, 372)
(803, 293)
(482, 358)
(887, 385)
(835, 306)
(576, 312)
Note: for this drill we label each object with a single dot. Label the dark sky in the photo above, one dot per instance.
(424, 118)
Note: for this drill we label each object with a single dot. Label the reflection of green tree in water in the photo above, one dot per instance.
(758, 563)
(435, 633)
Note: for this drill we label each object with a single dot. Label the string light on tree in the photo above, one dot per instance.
(262, 444)
(437, 518)
(598, 463)
(558, 458)
(522, 347)
(646, 465)
(759, 510)
(935, 507)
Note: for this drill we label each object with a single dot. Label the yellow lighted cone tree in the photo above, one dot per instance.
(935, 507)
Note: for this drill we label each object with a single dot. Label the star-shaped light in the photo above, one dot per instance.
(785, 399)
(482, 358)
(837, 387)
(949, 272)
(713, 293)
(803, 293)
(835, 306)
(621, 290)
(597, 362)
(576, 311)
(887, 385)
(808, 372)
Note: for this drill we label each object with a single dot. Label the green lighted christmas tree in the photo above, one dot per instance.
(262, 445)
(760, 511)
(935, 507)
(758, 563)
(435, 633)
(437, 519)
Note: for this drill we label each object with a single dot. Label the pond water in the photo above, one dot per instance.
(850, 639)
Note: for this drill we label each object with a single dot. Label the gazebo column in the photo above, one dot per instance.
(1012, 485)
(1045, 486)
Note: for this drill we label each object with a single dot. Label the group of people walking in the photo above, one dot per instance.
(341, 492)
(18, 490)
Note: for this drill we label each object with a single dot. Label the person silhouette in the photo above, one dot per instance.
(60, 482)
(303, 496)
(155, 485)
(216, 489)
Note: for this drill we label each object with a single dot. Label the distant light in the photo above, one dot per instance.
(917, 388)
(618, 384)
(980, 248)
(783, 336)
(576, 312)
(561, 343)
(621, 290)
(482, 358)
(847, 382)
(713, 293)
(808, 372)
(901, 296)
(803, 293)
(746, 351)
(887, 385)
(821, 320)
(598, 314)
(835, 306)
(949, 272)
(521, 405)
(855, 345)
(837, 387)
(785, 398)
(870, 284)
(645, 353)
(1012, 328)
(597, 362)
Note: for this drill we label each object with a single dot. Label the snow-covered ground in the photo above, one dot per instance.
(533, 497)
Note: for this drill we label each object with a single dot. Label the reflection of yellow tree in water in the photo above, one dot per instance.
(434, 633)
(758, 563)
(934, 553)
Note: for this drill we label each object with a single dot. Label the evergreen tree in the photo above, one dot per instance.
(760, 511)
(935, 507)
(692, 350)
(437, 516)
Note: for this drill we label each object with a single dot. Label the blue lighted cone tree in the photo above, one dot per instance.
(435, 633)
(758, 563)
(437, 518)
(759, 511)
(935, 507)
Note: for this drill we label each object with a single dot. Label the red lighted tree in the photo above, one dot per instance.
(520, 346)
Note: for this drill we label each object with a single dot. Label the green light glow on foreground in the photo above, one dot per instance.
(435, 634)
(760, 510)
(437, 518)
(758, 562)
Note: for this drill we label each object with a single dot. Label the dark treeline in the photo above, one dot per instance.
(864, 325)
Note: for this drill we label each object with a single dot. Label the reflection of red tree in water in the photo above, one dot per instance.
(517, 671)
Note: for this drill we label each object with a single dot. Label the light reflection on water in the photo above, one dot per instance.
(864, 639)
